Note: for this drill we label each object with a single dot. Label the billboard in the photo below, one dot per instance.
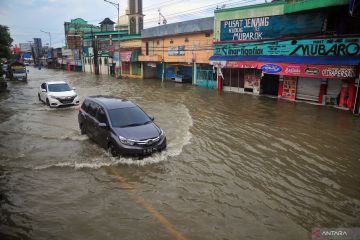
(25, 47)
(302, 47)
(259, 28)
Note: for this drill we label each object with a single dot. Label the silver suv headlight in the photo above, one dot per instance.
(53, 97)
(126, 141)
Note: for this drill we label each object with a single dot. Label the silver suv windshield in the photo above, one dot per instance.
(59, 87)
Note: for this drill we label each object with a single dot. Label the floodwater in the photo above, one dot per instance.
(236, 167)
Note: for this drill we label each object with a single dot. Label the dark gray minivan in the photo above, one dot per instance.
(120, 126)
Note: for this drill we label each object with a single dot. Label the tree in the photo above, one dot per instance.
(5, 42)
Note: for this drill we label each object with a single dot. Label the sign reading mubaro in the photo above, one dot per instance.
(303, 47)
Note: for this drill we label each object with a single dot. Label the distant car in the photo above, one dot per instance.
(120, 126)
(56, 94)
(3, 84)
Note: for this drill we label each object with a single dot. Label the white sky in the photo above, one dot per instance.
(26, 18)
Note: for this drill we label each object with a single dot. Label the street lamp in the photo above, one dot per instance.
(117, 6)
(48, 34)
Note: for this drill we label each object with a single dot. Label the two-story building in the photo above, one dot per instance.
(179, 52)
(295, 50)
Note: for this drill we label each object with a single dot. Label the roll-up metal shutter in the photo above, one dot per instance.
(308, 89)
(333, 87)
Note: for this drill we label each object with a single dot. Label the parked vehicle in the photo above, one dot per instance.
(3, 84)
(56, 94)
(120, 126)
(17, 71)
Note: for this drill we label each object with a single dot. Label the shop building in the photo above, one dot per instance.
(179, 52)
(306, 51)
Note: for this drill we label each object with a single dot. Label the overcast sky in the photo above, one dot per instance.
(26, 18)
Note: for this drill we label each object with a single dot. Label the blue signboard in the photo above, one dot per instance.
(259, 28)
(301, 47)
(271, 68)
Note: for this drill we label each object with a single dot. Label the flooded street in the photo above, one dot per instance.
(236, 166)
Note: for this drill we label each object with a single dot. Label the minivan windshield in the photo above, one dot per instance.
(59, 87)
(128, 117)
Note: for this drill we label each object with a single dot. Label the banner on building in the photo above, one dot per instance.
(25, 47)
(259, 28)
(299, 70)
(66, 52)
(301, 47)
(73, 41)
(125, 56)
(176, 51)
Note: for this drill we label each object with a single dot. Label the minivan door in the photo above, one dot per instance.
(101, 133)
(91, 122)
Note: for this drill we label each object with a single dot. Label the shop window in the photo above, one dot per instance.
(186, 39)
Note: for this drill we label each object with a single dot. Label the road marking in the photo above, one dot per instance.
(139, 199)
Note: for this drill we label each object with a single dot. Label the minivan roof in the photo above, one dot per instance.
(110, 102)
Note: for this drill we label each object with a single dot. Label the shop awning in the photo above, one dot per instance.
(329, 60)
(278, 66)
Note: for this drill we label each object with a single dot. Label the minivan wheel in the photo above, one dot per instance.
(112, 150)
(39, 97)
(47, 102)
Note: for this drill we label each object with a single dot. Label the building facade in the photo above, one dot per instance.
(179, 52)
(306, 50)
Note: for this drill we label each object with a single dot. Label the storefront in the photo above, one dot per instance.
(308, 89)
(130, 67)
(320, 83)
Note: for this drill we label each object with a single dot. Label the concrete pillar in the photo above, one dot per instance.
(194, 73)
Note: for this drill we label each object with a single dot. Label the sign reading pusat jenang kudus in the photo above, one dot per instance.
(260, 28)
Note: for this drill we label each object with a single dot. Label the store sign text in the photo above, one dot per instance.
(259, 28)
(302, 47)
(271, 68)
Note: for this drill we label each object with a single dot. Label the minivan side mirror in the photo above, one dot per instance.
(73, 88)
(102, 125)
(152, 118)
(43, 90)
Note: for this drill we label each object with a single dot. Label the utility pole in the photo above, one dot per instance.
(117, 6)
(48, 34)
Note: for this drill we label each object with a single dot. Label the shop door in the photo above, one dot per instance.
(308, 89)
(270, 84)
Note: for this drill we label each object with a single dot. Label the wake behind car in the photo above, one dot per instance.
(56, 94)
(120, 126)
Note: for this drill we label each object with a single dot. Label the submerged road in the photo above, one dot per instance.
(236, 167)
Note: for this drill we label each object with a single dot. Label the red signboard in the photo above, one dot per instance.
(299, 70)
(125, 56)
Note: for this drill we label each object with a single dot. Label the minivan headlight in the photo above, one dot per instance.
(126, 141)
(162, 133)
(53, 97)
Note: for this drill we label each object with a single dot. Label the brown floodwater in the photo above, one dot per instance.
(236, 166)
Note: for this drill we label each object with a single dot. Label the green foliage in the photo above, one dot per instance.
(5, 41)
